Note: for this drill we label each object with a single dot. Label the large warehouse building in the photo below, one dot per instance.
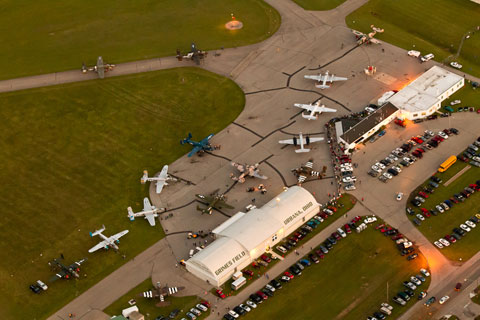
(423, 96)
(245, 236)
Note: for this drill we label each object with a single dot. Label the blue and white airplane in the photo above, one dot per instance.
(203, 145)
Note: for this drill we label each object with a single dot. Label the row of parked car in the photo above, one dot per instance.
(411, 285)
(401, 154)
(192, 314)
(308, 227)
(404, 246)
(293, 271)
(472, 154)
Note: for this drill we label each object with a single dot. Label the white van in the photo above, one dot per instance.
(414, 53)
(191, 253)
(238, 283)
(427, 57)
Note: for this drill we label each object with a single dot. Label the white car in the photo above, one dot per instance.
(233, 314)
(415, 280)
(349, 187)
(399, 196)
(201, 307)
(393, 157)
(252, 304)
(244, 307)
(454, 102)
(427, 57)
(444, 205)
(444, 242)
(438, 244)
(464, 227)
(269, 287)
(470, 224)
(387, 175)
(376, 169)
(386, 305)
(369, 109)
(346, 165)
(420, 217)
(410, 285)
(42, 285)
(397, 168)
(380, 165)
(414, 53)
(425, 272)
(443, 299)
(341, 233)
(443, 135)
(456, 65)
(439, 208)
(349, 179)
(284, 278)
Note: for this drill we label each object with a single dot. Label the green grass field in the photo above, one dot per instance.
(52, 36)
(72, 158)
(148, 308)
(349, 284)
(470, 97)
(319, 4)
(429, 26)
(476, 298)
(437, 227)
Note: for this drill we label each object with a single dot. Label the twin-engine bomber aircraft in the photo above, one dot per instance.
(323, 79)
(149, 212)
(66, 272)
(312, 111)
(99, 68)
(212, 201)
(161, 180)
(203, 145)
(108, 242)
(302, 141)
(367, 38)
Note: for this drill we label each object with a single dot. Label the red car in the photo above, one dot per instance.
(336, 236)
(379, 226)
(474, 186)
(221, 294)
(248, 273)
(423, 194)
(320, 254)
(347, 228)
(298, 235)
(332, 208)
(323, 215)
(262, 295)
(424, 210)
(450, 238)
(397, 236)
(426, 214)
(288, 274)
(356, 219)
(206, 304)
(420, 150)
(266, 258)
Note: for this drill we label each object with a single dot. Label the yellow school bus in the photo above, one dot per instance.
(447, 163)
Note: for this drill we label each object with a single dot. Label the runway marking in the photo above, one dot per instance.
(279, 173)
(291, 75)
(177, 208)
(288, 125)
(250, 130)
(266, 90)
(338, 58)
(218, 156)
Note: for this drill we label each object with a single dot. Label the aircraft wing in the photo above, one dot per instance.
(315, 139)
(307, 107)
(288, 141)
(316, 78)
(258, 175)
(100, 245)
(333, 78)
(324, 109)
(146, 205)
(373, 40)
(204, 198)
(163, 173)
(194, 150)
(159, 186)
(151, 218)
(205, 140)
(222, 204)
(117, 236)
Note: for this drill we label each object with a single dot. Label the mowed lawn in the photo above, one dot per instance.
(437, 227)
(148, 306)
(429, 26)
(350, 283)
(319, 4)
(468, 96)
(72, 158)
(46, 36)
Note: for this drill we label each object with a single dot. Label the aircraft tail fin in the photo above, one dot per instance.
(187, 139)
(321, 86)
(131, 216)
(97, 232)
(144, 178)
(302, 150)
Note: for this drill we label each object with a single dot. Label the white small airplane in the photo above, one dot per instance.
(110, 242)
(314, 110)
(324, 79)
(302, 141)
(161, 180)
(149, 212)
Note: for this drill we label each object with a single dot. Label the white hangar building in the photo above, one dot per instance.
(246, 236)
(423, 96)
